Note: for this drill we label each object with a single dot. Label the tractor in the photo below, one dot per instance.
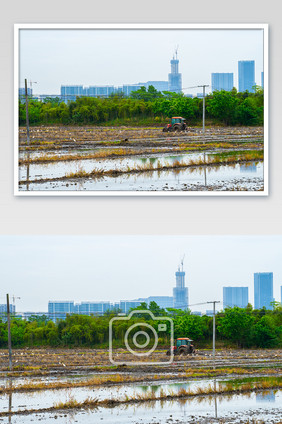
(183, 346)
(177, 124)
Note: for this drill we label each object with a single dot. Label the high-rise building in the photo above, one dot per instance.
(222, 81)
(180, 292)
(93, 308)
(99, 90)
(70, 92)
(246, 75)
(60, 309)
(3, 310)
(235, 296)
(263, 289)
(128, 88)
(22, 94)
(126, 305)
(161, 301)
(159, 85)
(175, 78)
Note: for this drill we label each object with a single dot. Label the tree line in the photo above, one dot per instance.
(235, 327)
(148, 107)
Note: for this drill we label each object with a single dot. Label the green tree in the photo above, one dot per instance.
(223, 106)
(235, 325)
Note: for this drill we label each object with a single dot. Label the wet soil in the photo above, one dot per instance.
(71, 137)
(66, 360)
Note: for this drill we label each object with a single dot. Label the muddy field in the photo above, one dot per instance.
(153, 136)
(66, 360)
(126, 159)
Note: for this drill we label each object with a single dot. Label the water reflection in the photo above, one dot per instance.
(9, 385)
(215, 177)
(268, 396)
(248, 167)
(215, 399)
(213, 405)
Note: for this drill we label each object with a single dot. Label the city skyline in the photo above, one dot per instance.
(52, 57)
(111, 268)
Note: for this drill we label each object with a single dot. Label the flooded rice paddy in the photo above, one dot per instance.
(247, 176)
(232, 408)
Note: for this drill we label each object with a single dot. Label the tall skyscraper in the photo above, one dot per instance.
(235, 296)
(246, 75)
(180, 292)
(263, 289)
(175, 78)
(222, 81)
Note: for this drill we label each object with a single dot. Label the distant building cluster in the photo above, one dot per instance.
(232, 296)
(179, 300)
(174, 84)
(263, 293)
(246, 78)
(219, 81)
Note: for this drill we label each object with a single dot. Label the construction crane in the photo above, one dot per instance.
(14, 298)
(32, 82)
(176, 51)
(182, 260)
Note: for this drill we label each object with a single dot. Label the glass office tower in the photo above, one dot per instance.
(222, 81)
(246, 75)
(263, 289)
(235, 296)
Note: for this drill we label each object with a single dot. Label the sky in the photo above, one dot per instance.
(111, 268)
(54, 57)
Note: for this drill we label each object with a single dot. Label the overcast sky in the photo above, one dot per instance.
(114, 57)
(94, 268)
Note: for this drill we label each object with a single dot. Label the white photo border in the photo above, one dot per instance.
(262, 26)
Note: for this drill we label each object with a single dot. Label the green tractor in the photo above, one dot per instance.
(177, 124)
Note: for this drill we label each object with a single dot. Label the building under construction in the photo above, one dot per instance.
(174, 84)
(180, 292)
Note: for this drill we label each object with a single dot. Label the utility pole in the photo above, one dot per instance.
(9, 334)
(26, 111)
(204, 104)
(213, 331)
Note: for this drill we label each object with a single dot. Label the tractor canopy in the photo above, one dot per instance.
(177, 120)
